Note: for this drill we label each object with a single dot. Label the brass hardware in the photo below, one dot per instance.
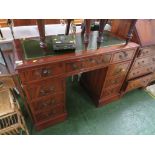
(92, 60)
(46, 72)
(53, 101)
(75, 66)
(52, 88)
(1, 84)
(44, 92)
(120, 70)
(123, 56)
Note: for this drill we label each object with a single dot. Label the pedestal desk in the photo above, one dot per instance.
(42, 76)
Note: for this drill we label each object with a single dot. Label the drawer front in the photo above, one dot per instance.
(137, 83)
(44, 88)
(48, 102)
(153, 77)
(94, 61)
(118, 69)
(147, 51)
(141, 71)
(111, 92)
(111, 82)
(144, 61)
(123, 55)
(52, 113)
(39, 73)
(6, 82)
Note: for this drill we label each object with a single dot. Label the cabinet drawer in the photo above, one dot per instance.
(139, 82)
(123, 55)
(141, 71)
(85, 63)
(118, 69)
(153, 77)
(111, 92)
(44, 88)
(146, 51)
(48, 102)
(144, 61)
(52, 113)
(39, 73)
(111, 82)
(6, 82)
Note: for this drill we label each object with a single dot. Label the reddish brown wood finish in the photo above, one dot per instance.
(28, 22)
(43, 80)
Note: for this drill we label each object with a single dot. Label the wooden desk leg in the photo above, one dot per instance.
(103, 22)
(68, 26)
(87, 30)
(41, 28)
(129, 36)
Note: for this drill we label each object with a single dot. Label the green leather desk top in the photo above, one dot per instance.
(32, 48)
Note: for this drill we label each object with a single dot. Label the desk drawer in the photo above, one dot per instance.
(111, 82)
(85, 63)
(141, 71)
(52, 113)
(111, 92)
(6, 82)
(118, 69)
(147, 51)
(44, 88)
(144, 62)
(39, 73)
(123, 55)
(48, 102)
(139, 82)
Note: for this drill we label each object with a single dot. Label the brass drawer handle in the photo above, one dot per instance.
(53, 112)
(44, 92)
(92, 60)
(1, 84)
(46, 72)
(123, 55)
(53, 101)
(45, 104)
(121, 70)
(74, 66)
(114, 81)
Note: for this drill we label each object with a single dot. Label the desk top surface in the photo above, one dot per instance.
(30, 54)
(32, 48)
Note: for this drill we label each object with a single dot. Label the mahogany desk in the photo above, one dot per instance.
(42, 77)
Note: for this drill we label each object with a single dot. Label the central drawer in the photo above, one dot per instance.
(43, 88)
(84, 63)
